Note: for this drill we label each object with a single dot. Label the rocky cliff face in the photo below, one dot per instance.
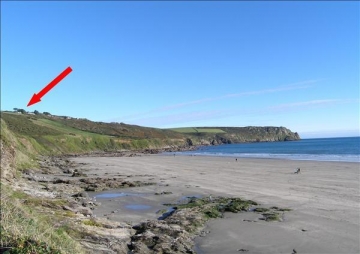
(247, 134)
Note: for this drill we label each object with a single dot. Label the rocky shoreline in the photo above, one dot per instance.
(188, 147)
(63, 186)
(132, 153)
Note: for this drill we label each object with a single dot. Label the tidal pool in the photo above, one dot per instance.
(138, 207)
(116, 195)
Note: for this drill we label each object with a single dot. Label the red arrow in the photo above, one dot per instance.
(37, 97)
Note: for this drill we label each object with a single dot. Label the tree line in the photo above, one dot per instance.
(23, 111)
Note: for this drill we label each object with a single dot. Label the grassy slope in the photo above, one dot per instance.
(119, 130)
(27, 229)
(56, 136)
(24, 226)
(16, 151)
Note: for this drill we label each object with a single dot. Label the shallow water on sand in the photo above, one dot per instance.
(117, 195)
(138, 204)
(138, 207)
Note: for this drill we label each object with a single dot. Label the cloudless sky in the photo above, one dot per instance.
(173, 64)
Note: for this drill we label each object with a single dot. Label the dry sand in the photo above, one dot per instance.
(324, 199)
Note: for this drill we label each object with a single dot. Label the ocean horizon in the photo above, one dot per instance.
(345, 149)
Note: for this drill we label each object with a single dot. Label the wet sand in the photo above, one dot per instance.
(324, 199)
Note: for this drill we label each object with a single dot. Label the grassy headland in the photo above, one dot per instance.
(46, 134)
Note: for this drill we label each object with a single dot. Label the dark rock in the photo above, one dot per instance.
(160, 237)
(189, 142)
(81, 194)
(163, 193)
(68, 171)
(77, 173)
(58, 180)
(90, 188)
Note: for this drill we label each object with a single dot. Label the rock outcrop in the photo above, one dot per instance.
(232, 135)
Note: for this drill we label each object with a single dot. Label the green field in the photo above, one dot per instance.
(65, 129)
(197, 130)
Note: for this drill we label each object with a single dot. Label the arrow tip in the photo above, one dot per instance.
(34, 99)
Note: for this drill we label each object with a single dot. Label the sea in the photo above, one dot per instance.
(319, 149)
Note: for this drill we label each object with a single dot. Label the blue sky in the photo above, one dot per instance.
(174, 64)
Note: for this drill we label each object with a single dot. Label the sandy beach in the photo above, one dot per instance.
(324, 199)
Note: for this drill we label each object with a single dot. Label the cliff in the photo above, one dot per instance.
(230, 135)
